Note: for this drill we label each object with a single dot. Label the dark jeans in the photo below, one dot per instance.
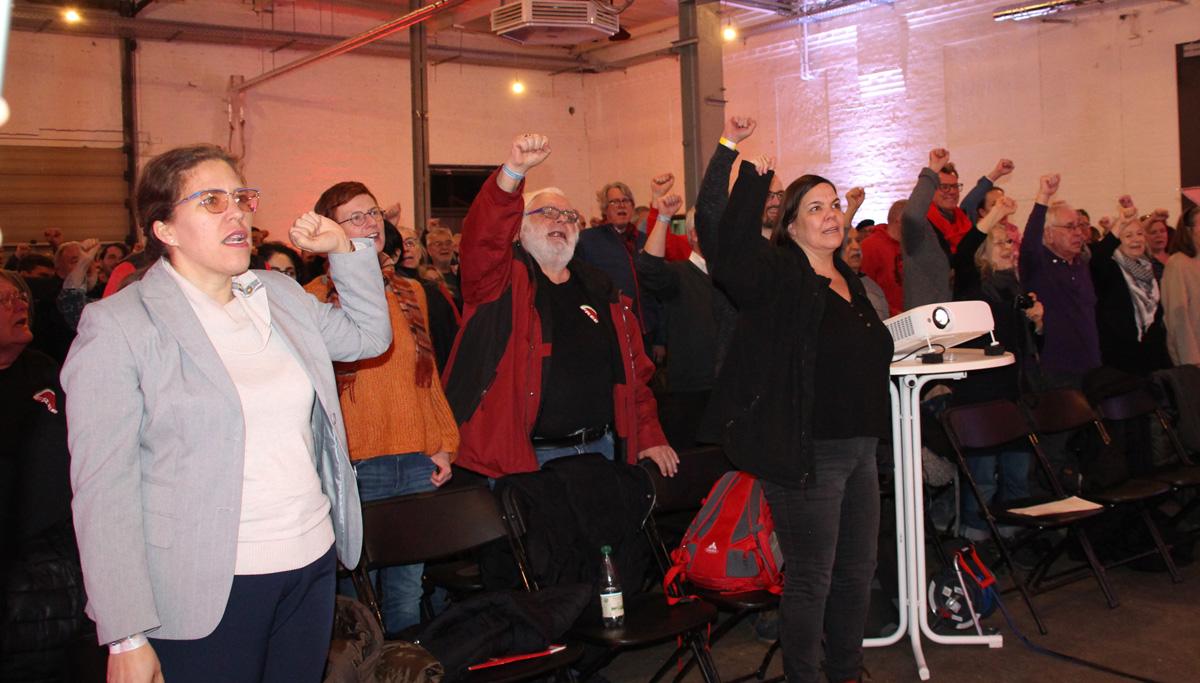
(827, 532)
(276, 629)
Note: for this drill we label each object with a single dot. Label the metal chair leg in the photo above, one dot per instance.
(1097, 567)
(1163, 551)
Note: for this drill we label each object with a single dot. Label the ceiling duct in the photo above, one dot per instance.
(1037, 10)
(555, 22)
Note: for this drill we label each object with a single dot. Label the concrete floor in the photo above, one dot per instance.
(1153, 634)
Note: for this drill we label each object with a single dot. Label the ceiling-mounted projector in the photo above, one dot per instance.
(555, 22)
(947, 325)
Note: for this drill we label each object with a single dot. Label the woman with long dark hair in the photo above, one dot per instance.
(801, 403)
(208, 460)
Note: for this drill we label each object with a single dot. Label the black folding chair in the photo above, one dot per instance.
(428, 526)
(649, 620)
(999, 423)
(1067, 411)
(1182, 475)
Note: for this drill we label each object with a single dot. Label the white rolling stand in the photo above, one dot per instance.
(910, 376)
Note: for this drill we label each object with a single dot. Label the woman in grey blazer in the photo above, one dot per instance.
(209, 460)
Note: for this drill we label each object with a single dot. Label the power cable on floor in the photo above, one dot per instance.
(1059, 655)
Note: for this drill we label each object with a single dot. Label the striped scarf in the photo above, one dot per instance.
(1143, 289)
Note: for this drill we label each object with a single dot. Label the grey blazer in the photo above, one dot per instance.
(157, 442)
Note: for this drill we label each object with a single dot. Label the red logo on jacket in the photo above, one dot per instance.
(48, 398)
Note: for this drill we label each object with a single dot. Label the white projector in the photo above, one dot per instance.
(554, 22)
(946, 325)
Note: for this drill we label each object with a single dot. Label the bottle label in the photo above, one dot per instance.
(612, 605)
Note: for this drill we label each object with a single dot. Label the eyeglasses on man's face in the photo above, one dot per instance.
(217, 201)
(360, 217)
(557, 215)
(775, 195)
(950, 187)
(620, 201)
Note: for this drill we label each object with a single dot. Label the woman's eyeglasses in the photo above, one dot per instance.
(217, 201)
(359, 217)
(9, 300)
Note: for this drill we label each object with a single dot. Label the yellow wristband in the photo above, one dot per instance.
(728, 143)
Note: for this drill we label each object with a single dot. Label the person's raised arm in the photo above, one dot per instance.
(855, 197)
(494, 222)
(653, 273)
(1032, 246)
(914, 227)
(746, 269)
(974, 199)
(359, 326)
(714, 188)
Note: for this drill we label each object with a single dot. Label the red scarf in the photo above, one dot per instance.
(953, 232)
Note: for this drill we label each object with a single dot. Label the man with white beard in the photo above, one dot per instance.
(549, 360)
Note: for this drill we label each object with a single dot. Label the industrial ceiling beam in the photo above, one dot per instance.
(367, 37)
(42, 18)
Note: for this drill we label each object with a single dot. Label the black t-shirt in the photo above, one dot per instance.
(577, 378)
(854, 351)
(35, 483)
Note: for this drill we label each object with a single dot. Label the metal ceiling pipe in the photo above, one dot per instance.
(365, 38)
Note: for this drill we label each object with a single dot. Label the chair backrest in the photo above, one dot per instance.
(699, 469)
(1059, 410)
(1128, 405)
(426, 526)
(985, 425)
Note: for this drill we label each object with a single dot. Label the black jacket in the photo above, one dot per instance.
(761, 410)
(1115, 320)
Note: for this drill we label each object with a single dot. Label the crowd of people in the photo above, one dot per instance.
(363, 360)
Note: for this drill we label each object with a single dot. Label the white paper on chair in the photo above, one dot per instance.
(1057, 507)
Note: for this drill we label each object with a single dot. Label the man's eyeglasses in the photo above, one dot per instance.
(10, 299)
(558, 215)
(775, 195)
(360, 217)
(217, 201)
(950, 187)
(621, 201)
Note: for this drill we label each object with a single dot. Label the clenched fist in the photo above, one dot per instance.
(668, 205)
(739, 128)
(1003, 168)
(1047, 186)
(763, 163)
(528, 150)
(661, 185)
(318, 234)
(938, 158)
(855, 196)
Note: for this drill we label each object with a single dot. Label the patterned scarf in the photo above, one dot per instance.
(953, 232)
(1143, 289)
(411, 307)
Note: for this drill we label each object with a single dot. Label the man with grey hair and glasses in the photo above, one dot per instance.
(548, 362)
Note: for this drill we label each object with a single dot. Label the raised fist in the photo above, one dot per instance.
(89, 248)
(938, 158)
(855, 197)
(528, 150)
(668, 205)
(1105, 224)
(1006, 206)
(738, 128)
(763, 163)
(318, 234)
(660, 185)
(1048, 185)
(1003, 168)
(1126, 211)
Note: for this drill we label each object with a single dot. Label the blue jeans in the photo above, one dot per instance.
(1011, 468)
(603, 446)
(388, 476)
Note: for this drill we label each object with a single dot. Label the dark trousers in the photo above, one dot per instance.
(827, 532)
(276, 629)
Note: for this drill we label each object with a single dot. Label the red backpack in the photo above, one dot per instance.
(730, 546)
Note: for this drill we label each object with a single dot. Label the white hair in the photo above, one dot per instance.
(530, 196)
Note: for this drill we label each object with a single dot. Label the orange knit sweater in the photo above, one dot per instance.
(384, 409)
